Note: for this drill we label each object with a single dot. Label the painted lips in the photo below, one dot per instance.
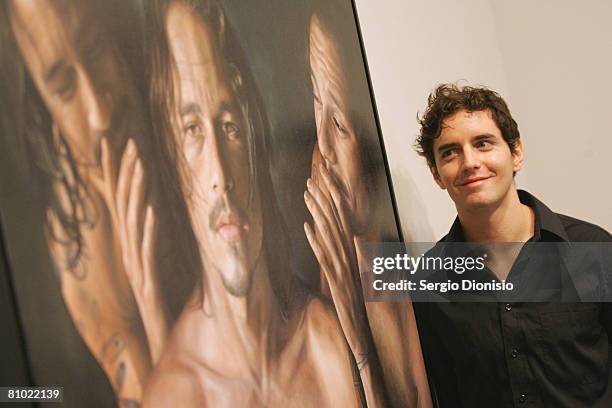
(230, 227)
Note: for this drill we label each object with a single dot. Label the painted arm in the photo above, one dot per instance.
(99, 300)
(336, 256)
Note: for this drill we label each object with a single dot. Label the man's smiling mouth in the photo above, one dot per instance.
(473, 181)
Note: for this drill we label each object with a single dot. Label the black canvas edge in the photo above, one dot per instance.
(12, 317)
(389, 179)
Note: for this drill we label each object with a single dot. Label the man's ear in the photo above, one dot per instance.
(518, 155)
(436, 176)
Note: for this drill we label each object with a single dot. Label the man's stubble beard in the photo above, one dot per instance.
(235, 273)
(241, 283)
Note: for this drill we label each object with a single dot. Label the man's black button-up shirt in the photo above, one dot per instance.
(521, 354)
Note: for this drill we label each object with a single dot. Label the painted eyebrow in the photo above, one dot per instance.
(227, 106)
(190, 108)
(193, 107)
(336, 100)
(333, 93)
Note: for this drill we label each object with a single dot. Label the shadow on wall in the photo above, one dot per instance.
(415, 226)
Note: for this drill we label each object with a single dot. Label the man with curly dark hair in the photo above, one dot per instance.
(449, 99)
(545, 354)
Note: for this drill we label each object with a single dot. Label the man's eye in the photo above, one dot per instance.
(338, 125)
(192, 130)
(447, 153)
(66, 85)
(483, 143)
(230, 130)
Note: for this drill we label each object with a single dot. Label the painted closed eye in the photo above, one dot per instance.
(67, 84)
(338, 124)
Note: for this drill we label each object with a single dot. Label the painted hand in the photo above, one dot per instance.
(136, 229)
(333, 247)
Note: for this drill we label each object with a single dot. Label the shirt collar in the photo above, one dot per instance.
(546, 222)
(456, 232)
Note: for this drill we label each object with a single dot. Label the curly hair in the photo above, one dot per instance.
(448, 99)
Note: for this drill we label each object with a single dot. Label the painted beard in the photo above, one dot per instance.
(224, 238)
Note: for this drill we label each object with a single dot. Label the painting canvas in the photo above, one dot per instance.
(186, 188)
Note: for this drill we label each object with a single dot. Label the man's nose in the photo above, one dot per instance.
(97, 105)
(221, 180)
(325, 139)
(471, 159)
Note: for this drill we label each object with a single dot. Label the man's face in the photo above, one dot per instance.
(336, 135)
(473, 161)
(76, 70)
(224, 204)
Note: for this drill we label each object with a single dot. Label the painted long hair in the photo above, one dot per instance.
(47, 161)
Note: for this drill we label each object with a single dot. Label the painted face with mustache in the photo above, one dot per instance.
(223, 201)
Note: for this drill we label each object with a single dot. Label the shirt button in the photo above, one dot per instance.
(514, 354)
(522, 398)
(508, 307)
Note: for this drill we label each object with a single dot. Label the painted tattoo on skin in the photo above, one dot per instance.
(60, 254)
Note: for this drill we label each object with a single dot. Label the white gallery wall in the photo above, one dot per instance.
(552, 62)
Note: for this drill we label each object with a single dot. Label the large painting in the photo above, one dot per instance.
(187, 187)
